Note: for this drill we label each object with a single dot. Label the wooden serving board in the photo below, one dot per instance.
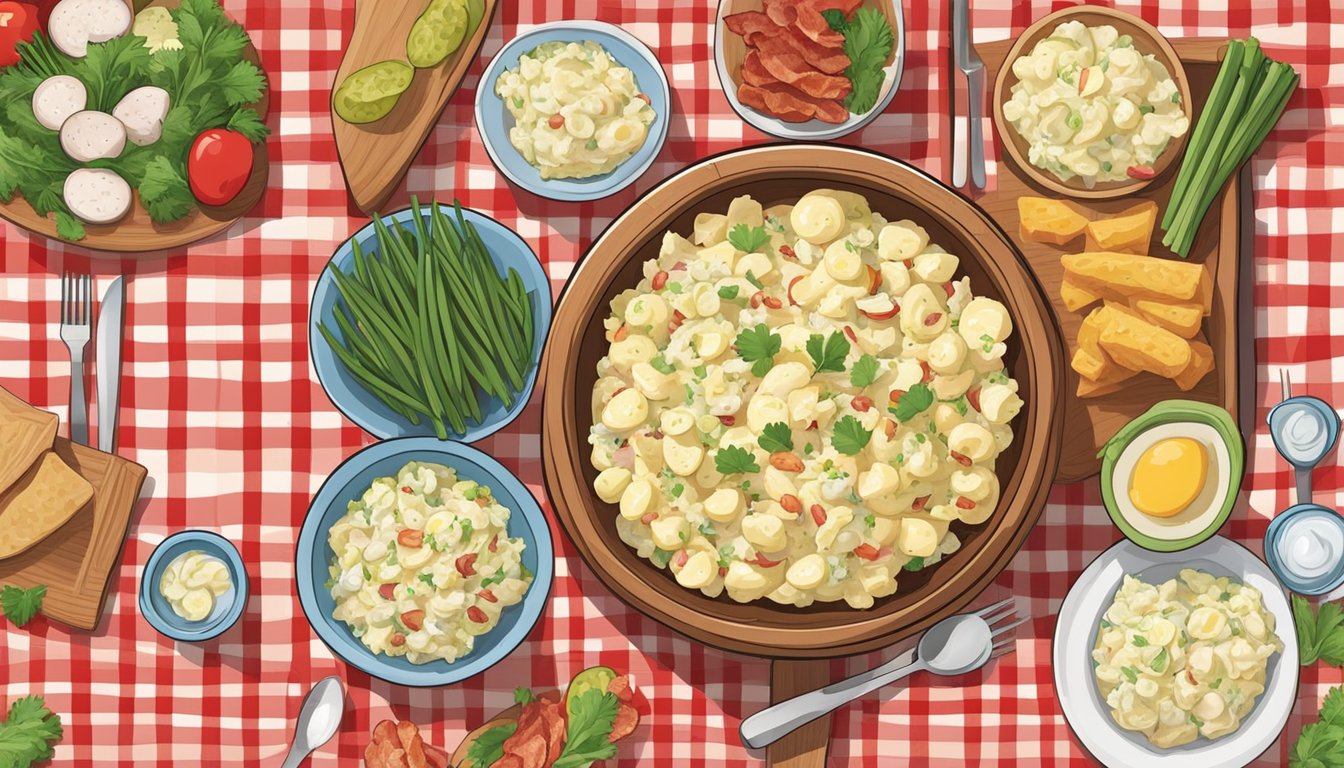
(76, 562)
(136, 233)
(374, 156)
(1089, 423)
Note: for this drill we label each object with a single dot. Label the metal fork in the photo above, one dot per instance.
(76, 317)
(954, 646)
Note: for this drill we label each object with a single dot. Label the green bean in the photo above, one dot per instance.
(373, 381)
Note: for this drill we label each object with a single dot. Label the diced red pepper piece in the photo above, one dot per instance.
(932, 319)
(411, 538)
(818, 514)
(466, 564)
(487, 596)
(477, 615)
(961, 458)
(659, 280)
(973, 397)
(557, 121)
(866, 551)
(964, 502)
(861, 403)
(920, 503)
(386, 591)
(413, 620)
(1141, 172)
(494, 543)
(397, 639)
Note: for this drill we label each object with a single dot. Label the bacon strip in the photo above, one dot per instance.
(831, 61)
(790, 104)
(790, 68)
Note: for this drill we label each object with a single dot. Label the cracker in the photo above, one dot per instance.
(25, 434)
(44, 500)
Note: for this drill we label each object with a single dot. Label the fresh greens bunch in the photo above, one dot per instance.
(868, 43)
(209, 83)
(29, 732)
(427, 323)
(1248, 97)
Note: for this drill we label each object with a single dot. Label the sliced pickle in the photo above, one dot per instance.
(370, 93)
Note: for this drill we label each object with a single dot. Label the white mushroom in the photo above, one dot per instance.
(57, 98)
(90, 135)
(142, 111)
(76, 23)
(97, 195)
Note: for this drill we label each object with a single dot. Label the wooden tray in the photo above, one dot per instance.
(1088, 424)
(374, 156)
(76, 562)
(136, 233)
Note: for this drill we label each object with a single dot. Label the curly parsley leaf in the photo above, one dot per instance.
(775, 437)
(830, 354)
(68, 227)
(591, 717)
(849, 436)
(21, 605)
(836, 18)
(758, 346)
(1321, 744)
(735, 460)
(489, 746)
(247, 122)
(522, 696)
(864, 372)
(164, 191)
(29, 732)
(748, 239)
(915, 401)
(868, 43)
(1320, 633)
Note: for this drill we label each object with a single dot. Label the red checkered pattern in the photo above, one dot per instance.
(220, 402)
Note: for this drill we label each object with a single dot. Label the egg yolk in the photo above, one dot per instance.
(1169, 476)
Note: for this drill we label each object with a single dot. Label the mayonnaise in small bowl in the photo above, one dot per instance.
(1305, 548)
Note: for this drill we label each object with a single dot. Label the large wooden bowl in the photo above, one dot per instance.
(772, 175)
(1146, 40)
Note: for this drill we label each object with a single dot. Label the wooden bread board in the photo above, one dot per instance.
(75, 563)
(374, 156)
(1089, 423)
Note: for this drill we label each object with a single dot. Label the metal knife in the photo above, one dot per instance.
(974, 70)
(107, 359)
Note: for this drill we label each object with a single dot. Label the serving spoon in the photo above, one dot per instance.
(319, 719)
(954, 646)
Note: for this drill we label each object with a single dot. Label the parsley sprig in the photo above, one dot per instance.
(21, 605)
(735, 460)
(591, 717)
(758, 346)
(849, 436)
(828, 354)
(775, 437)
(1320, 633)
(29, 732)
(748, 239)
(864, 372)
(915, 401)
(1321, 743)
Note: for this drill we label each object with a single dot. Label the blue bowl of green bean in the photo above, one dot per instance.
(454, 356)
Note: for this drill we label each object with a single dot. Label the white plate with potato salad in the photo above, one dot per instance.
(422, 564)
(1176, 659)
(797, 402)
(1091, 105)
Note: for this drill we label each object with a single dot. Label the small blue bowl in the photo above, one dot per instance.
(349, 482)
(350, 397)
(228, 606)
(493, 120)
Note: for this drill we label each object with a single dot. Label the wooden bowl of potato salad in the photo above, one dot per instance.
(803, 402)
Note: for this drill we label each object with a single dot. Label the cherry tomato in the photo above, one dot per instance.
(219, 165)
(18, 22)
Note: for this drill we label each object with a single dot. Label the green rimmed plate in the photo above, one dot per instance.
(1209, 424)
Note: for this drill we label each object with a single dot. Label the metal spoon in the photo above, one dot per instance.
(319, 719)
(1322, 425)
(953, 646)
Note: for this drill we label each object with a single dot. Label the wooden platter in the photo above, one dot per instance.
(136, 233)
(374, 156)
(76, 562)
(1220, 245)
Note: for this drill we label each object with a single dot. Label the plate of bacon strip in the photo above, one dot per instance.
(809, 69)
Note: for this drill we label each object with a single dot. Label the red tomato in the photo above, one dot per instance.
(18, 22)
(219, 165)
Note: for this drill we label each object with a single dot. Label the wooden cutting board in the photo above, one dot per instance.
(374, 156)
(1221, 246)
(76, 562)
(136, 233)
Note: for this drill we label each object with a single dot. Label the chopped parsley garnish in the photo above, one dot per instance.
(914, 564)
(986, 343)
(735, 460)
(776, 437)
(962, 405)
(864, 372)
(1195, 720)
(1159, 661)
(807, 449)
(690, 394)
(914, 402)
(828, 355)
(725, 556)
(729, 292)
(1139, 641)
(427, 578)
(1131, 674)
(849, 436)
(700, 371)
(707, 529)
(759, 346)
(660, 557)
(754, 280)
(590, 146)
(677, 490)
(748, 239)
(660, 364)
(870, 520)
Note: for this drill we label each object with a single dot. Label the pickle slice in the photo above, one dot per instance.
(437, 33)
(368, 94)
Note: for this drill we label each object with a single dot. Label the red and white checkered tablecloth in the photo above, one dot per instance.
(220, 402)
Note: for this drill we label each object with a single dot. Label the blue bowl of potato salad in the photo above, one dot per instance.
(423, 563)
(194, 587)
(573, 110)
(1176, 659)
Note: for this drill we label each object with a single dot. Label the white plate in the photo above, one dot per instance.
(812, 130)
(1076, 634)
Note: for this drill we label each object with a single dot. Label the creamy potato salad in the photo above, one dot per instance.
(423, 564)
(192, 582)
(577, 112)
(1185, 658)
(798, 401)
(1091, 105)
